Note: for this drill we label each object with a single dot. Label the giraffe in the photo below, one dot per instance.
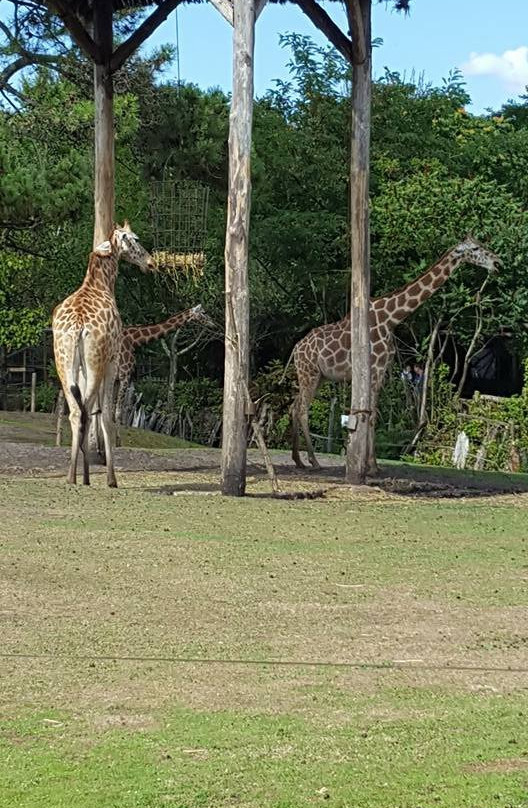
(86, 340)
(325, 351)
(132, 337)
(135, 335)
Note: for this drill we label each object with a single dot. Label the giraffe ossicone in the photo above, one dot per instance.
(325, 351)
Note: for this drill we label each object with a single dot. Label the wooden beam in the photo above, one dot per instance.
(225, 7)
(77, 30)
(325, 23)
(235, 423)
(259, 7)
(139, 36)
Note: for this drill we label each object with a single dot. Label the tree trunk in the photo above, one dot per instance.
(104, 124)
(359, 12)
(234, 437)
(104, 174)
(173, 371)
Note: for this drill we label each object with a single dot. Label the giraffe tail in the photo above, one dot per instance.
(287, 366)
(76, 393)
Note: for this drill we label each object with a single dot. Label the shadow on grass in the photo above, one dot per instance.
(400, 479)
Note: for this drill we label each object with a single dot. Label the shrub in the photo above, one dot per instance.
(497, 428)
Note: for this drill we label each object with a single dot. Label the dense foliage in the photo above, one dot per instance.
(438, 172)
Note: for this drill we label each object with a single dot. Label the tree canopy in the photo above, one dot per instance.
(438, 172)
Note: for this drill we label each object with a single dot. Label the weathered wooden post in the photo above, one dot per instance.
(104, 122)
(33, 404)
(234, 436)
(104, 160)
(359, 15)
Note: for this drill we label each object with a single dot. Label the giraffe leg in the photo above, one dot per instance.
(372, 464)
(64, 352)
(85, 450)
(304, 419)
(75, 423)
(296, 456)
(309, 378)
(108, 425)
(377, 380)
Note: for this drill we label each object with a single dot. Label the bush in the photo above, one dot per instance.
(276, 390)
(497, 428)
(196, 410)
(45, 397)
(397, 415)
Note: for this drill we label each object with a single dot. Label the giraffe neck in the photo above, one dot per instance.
(142, 334)
(101, 272)
(398, 305)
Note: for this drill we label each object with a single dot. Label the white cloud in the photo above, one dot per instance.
(511, 66)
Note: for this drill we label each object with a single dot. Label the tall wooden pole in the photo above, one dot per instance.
(359, 14)
(104, 161)
(234, 431)
(104, 122)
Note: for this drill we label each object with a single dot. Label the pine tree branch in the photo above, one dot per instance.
(146, 28)
(26, 60)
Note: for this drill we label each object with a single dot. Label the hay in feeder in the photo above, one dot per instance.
(174, 264)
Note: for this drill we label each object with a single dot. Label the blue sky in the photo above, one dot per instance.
(490, 44)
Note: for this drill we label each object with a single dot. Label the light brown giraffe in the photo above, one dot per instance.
(87, 333)
(325, 351)
(136, 335)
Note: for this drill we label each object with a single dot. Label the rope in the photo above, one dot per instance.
(396, 665)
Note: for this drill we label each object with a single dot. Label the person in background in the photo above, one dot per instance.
(417, 374)
(407, 374)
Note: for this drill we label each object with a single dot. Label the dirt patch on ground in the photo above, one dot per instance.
(507, 766)
(33, 459)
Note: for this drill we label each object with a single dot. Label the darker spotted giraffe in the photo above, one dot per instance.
(87, 333)
(325, 351)
(136, 335)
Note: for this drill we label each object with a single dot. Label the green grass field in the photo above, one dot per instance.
(357, 651)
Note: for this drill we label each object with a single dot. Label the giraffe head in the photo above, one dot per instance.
(125, 244)
(473, 252)
(199, 314)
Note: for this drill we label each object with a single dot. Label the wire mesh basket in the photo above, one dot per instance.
(179, 224)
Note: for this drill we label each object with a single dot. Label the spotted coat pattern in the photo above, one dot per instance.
(325, 351)
(87, 332)
(136, 335)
